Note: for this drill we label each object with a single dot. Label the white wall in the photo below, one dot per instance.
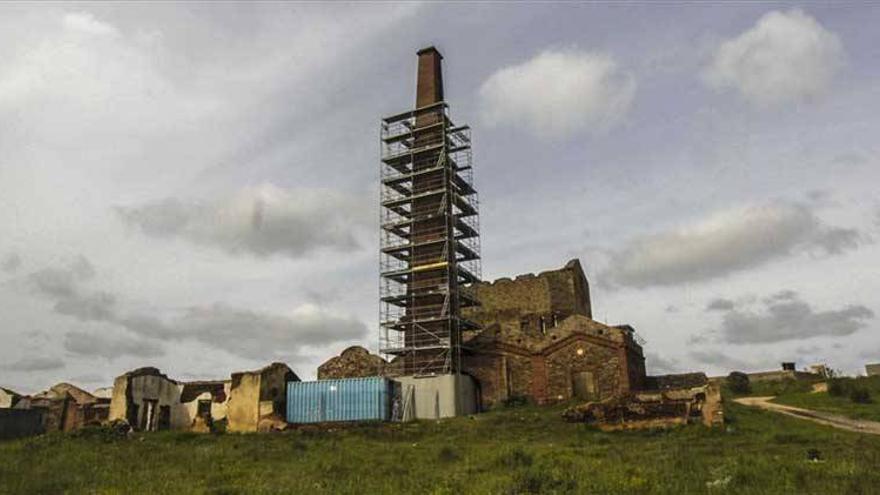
(442, 396)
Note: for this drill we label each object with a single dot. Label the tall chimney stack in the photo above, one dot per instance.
(429, 86)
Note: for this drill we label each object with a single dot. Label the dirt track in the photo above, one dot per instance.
(841, 422)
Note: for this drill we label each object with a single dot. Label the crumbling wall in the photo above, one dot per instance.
(8, 398)
(133, 390)
(532, 303)
(672, 400)
(217, 392)
(255, 395)
(353, 362)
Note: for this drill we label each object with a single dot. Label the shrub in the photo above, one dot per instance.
(738, 382)
(860, 396)
(837, 387)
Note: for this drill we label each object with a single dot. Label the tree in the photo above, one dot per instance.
(738, 382)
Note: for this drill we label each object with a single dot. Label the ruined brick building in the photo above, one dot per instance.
(531, 337)
(537, 341)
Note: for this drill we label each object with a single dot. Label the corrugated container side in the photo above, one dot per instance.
(349, 399)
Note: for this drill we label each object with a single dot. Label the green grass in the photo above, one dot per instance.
(774, 387)
(842, 405)
(521, 450)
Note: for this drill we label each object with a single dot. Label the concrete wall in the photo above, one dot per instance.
(255, 395)
(218, 409)
(442, 396)
(872, 369)
(7, 399)
(134, 390)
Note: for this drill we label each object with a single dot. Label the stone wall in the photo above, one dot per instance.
(531, 304)
(353, 362)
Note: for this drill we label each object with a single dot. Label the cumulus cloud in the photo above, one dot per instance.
(258, 335)
(726, 242)
(786, 56)
(785, 316)
(559, 93)
(260, 221)
(110, 346)
(240, 331)
(35, 364)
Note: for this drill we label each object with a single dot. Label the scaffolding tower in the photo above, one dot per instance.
(430, 237)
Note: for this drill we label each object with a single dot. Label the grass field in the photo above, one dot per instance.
(521, 450)
(843, 404)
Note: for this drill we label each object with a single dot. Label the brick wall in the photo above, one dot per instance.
(543, 367)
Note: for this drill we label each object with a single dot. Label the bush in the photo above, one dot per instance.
(738, 382)
(837, 387)
(860, 396)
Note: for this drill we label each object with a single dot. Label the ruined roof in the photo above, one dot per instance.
(79, 395)
(192, 390)
(683, 380)
(147, 371)
(11, 392)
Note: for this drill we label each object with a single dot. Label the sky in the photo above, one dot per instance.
(194, 186)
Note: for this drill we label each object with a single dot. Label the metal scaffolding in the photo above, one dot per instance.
(430, 239)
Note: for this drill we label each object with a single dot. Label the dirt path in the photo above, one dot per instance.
(828, 419)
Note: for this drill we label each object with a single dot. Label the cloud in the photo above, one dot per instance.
(726, 242)
(720, 360)
(240, 331)
(11, 263)
(85, 22)
(657, 364)
(260, 221)
(720, 304)
(786, 56)
(785, 316)
(110, 346)
(62, 282)
(35, 364)
(559, 93)
(258, 335)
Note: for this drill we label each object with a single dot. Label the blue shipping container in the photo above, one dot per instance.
(349, 399)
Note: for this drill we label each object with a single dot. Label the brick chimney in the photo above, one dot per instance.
(429, 86)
